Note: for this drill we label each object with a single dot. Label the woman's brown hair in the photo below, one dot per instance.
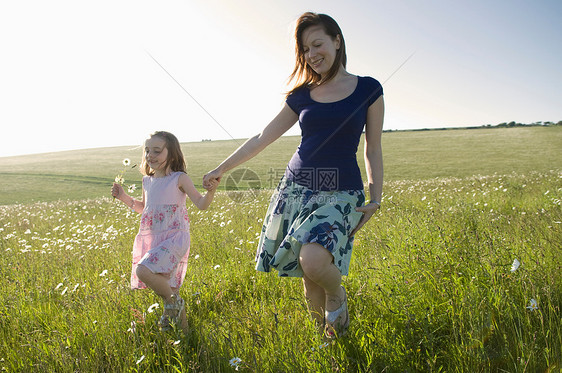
(303, 74)
(175, 160)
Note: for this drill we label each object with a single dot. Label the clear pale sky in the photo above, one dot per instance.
(79, 74)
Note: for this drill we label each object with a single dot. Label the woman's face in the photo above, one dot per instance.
(319, 49)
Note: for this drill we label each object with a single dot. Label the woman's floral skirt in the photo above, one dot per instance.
(298, 215)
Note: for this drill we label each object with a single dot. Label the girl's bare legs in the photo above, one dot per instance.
(322, 280)
(158, 282)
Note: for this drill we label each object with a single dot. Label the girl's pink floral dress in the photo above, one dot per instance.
(162, 243)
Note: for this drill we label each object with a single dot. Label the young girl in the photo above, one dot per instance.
(161, 247)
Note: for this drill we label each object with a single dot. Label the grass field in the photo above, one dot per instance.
(412, 155)
(433, 286)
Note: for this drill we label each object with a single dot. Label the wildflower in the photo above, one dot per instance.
(515, 265)
(133, 327)
(140, 360)
(126, 162)
(533, 305)
(132, 188)
(119, 179)
(235, 362)
(153, 307)
(103, 273)
(196, 256)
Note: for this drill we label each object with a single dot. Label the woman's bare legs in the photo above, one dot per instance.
(321, 279)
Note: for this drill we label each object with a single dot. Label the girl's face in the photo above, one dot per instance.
(319, 49)
(156, 154)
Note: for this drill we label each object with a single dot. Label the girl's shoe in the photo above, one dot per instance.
(166, 321)
(341, 316)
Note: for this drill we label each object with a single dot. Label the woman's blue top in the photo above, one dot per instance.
(326, 157)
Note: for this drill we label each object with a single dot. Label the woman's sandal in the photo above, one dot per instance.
(166, 322)
(332, 330)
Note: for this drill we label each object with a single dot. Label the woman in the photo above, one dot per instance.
(319, 203)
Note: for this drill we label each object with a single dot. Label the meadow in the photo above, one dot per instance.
(459, 272)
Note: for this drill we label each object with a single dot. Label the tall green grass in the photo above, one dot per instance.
(430, 289)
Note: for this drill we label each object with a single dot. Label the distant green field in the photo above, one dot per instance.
(408, 155)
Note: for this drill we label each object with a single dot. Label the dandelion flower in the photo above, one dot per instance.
(103, 273)
(153, 307)
(126, 162)
(533, 305)
(515, 265)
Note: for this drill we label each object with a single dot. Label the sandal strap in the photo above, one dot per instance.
(332, 316)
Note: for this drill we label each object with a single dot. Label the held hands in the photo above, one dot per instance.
(368, 211)
(212, 179)
(212, 185)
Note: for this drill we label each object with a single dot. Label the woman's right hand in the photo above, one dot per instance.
(117, 191)
(211, 178)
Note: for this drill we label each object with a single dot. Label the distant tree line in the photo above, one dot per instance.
(515, 124)
(501, 125)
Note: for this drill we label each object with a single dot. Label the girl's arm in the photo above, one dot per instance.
(253, 146)
(201, 201)
(373, 160)
(118, 192)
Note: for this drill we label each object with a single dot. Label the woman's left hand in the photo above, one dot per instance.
(368, 211)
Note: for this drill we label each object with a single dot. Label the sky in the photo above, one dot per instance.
(89, 74)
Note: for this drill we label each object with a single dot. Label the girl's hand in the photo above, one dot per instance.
(117, 191)
(213, 184)
(368, 211)
(212, 178)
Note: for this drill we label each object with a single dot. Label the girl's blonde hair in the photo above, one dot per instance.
(303, 74)
(175, 160)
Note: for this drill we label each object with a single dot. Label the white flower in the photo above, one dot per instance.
(234, 362)
(132, 188)
(515, 265)
(196, 256)
(141, 359)
(533, 305)
(126, 162)
(133, 327)
(103, 273)
(153, 307)
(119, 179)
